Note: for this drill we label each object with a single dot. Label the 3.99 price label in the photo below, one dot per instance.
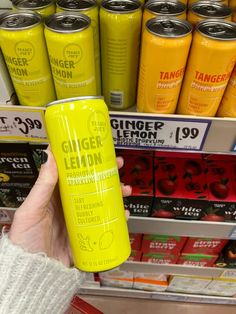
(21, 124)
(162, 133)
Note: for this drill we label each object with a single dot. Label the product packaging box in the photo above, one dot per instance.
(201, 260)
(227, 257)
(180, 187)
(188, 284)
(117, 278)
(160, 258)
(135, 256)
(156, 243)
(138, 172)
(17, 174)
(150, 282)
(221, 287)
(79, 306)
(36, 150)
(204, 245)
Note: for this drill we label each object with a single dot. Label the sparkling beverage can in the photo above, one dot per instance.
(170, 9)
(200, 11)
(89, 8)
(120, 28)
(190, 2)
(24, 49)
(42, 7)
(210, 63)
(69, 39)
(165, 47)
(227, 106)
(81, 141)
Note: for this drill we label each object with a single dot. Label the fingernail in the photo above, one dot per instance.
(44, 157)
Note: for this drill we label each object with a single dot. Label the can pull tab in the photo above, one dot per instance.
(164, 8)
(216, 30)
(33, 2)
(118, 5)
(69, 21)
(168, 26)
(210, 9)
(14, 21)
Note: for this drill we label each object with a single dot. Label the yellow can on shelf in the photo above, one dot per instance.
(80, 137)
(89, 8)
(42, 7)
(210, 63)
(25, 52)
(227, 107)
(69, 38)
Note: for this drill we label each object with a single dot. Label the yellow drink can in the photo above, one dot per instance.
(169, 9)
(165, 47)
(210, 63)
(42, 7)
(69, 39)
(200, 11)
(227, 107)
(120, 28)
(80, 137)
(89, 8)
(24, 49)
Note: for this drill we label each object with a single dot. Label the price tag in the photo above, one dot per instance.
(163, 133)
(22, 123)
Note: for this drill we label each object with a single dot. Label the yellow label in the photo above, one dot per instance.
(80, 137)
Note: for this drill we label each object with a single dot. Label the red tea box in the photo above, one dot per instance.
(201, 260)
(79, 306)
(160, 258)
(135, 256)
(150, 282)
(227, 257)
(204, 245)
(156, 243)
(135, 241)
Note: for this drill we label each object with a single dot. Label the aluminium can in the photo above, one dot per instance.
(42, 7)
(210, 63)
(200, 11)
(89, 8)
(190, 2)
(81, 140)
(227, 106)
(165, 47)
(69, 38)
(170, 9)
(24, 49)
(120, 28)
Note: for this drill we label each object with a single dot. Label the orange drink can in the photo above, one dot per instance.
(203, 10)
(170, 9)
(227, 107)
(165, 47)
(211, 61)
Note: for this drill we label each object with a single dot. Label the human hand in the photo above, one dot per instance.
(38, 224)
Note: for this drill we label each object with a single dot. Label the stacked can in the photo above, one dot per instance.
(232, 5)
(170, 9)
(190, 2)
(165, 47)
(42, 7)
(69, 39)
(227, 107)
(211, 61)
(203, 10)
(24, 49)
(89, 8)
(120, 25)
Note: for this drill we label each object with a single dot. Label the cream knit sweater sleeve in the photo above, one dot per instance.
(34, 283)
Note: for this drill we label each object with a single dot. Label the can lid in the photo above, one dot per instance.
(66, 22)
(217, 29)
(31, 4)
(121, 6)
(16, 21)
(168, 27)
(165, 7)
(76, 5)
(209, 9)
(68, 100)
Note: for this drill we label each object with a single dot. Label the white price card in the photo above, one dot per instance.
(158, 132)
(22, 123)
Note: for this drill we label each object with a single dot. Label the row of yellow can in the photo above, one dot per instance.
(75, 60)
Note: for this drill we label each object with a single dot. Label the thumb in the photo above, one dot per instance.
(43, 188)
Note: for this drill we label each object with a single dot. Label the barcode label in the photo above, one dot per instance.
(116, 99)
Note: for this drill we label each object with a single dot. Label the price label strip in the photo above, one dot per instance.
(157, 132)
(22, 124)
(234, 147)
(232, 234)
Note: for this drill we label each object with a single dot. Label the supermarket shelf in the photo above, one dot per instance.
(172, 269)
(167, 296)
(221, 230)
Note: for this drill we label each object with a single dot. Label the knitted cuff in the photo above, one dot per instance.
(34, 283)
